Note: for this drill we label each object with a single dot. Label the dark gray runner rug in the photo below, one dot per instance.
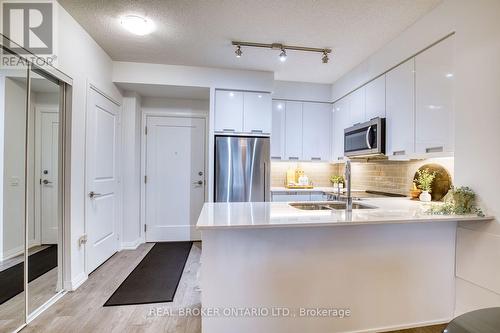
(156, 278)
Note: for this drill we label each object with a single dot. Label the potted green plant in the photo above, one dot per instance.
(337, 181)
(425, 179)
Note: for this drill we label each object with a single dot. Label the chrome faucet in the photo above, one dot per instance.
(347, 176)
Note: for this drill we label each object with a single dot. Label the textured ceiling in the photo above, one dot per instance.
(199, 32)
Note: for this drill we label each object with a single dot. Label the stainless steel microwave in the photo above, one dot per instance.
(365, 139)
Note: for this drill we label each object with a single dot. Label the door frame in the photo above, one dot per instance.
(166, 114)
(119, 222)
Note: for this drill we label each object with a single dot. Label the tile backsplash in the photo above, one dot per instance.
(319, 173)
(384, 176)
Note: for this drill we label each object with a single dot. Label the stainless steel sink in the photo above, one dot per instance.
(328, 205)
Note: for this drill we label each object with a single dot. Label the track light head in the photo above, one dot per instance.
(325, 58)
(283, 55)
(238, 51)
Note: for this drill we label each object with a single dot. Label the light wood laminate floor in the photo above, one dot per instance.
(82, 310)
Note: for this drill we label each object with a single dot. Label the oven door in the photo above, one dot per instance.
(365, 139)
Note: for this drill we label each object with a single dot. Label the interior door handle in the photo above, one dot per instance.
(94, 195)
(199, 182)
(46, 182)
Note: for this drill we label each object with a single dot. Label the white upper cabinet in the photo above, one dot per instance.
(434, 99)
(341, 120)
(316, 131)
(293, 132)
(375, 98)
(278, 131)
(228, 111)
(257, 113)
(357, 106)
(400, 124)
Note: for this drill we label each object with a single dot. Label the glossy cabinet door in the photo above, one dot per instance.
(316, 131)
(293, 131)
(434, 99)
(278, 130)
(357, 106)
(257, 113)
(228, 111)
(400, 116)
(375, 98)
(341, 120)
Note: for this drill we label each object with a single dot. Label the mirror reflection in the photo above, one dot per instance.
(44, 274)
(13, 99)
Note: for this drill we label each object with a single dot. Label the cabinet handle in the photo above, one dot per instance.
(434, 149)
(276, 157)
(315, 158)
(399, 152)
(256, 131)
(228, 130)
(293, 158)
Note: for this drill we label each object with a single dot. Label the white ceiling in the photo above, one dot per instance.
(164, 91)
(199, 32)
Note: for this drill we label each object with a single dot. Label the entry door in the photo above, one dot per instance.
(49, 145)
(102, 200)
(175, 171)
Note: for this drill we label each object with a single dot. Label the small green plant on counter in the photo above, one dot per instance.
(425, 179)
(337, 179)
(458, 201)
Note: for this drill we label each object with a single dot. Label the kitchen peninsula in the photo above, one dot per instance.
(387, 264)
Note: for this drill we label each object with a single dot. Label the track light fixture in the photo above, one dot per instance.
(283, 55)
(325, 58)
(282, 48)
(238, 51)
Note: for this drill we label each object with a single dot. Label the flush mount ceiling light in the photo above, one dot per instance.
(137, 25)
(282, 48)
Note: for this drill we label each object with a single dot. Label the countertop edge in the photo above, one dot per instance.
(344, 224)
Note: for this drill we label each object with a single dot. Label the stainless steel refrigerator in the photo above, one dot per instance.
(242, 169)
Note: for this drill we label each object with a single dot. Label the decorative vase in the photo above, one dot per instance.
(425, 196)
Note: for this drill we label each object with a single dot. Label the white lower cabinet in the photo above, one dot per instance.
(286, 196)
(400, 111)
(316, 131)
(434, 99)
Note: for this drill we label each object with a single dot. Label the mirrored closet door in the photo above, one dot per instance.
(13, 107)
(44, 229)
(31, 229)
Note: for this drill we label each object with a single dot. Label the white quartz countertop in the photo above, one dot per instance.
(315, 189)
(280, 214)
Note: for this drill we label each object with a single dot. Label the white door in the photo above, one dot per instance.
(257, 113)
(175, 177)
(400, 121)
(375, 98)
(103, 192)
(48, 175)
(278, 131)
(293, 131)
(316, 131)
(228, 111)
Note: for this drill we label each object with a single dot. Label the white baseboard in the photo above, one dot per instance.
(76, 282)
(403, 327)
(131, 245)
(9, 254)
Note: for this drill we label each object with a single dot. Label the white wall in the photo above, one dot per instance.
(477, 127)
(80, 57)
(303, 91)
